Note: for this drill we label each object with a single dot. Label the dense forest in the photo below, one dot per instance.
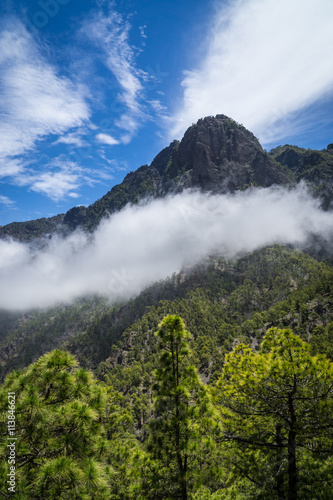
(127, 404)
(262, 429)
(220, 300)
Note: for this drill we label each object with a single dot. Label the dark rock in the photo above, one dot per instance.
(222, 155)
(216, 154)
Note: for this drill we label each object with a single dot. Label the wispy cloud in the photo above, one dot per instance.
(36, 100)
(142, 31)
(7, 202)
(57, 185)
(10, 167)
(157, 106)
(60, 179)
(106, 139)
(265, 60)
(72, 139)
(110, 33)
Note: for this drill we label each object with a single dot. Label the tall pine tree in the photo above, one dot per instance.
(181, 429)
(277, 410)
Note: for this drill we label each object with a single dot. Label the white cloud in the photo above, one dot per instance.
(12, 254)
(265, 61)
(110, 33)
(73, 139)
(157, 105)
(61, 179)
(106, 139)
(142, 31)
(10, 167)
(142, 244)
(4, 200)
(56, 185)
(36, 100)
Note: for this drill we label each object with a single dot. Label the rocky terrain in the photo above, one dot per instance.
(215, 154)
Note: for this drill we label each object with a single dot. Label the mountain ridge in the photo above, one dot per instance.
(222, 301)
(216, 154)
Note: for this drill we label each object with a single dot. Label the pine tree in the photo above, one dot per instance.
(277, 412)
(180, 441)
(61, 444)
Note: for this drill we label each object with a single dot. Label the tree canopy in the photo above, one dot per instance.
(263, 430)
(61, 442)
(277, 409)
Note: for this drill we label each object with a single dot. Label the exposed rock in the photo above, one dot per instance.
(216, 154)
(222, 155)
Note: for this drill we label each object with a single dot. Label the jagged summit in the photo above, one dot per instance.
(216, 154)
(219, 154)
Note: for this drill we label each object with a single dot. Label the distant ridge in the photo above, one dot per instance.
(216, 154)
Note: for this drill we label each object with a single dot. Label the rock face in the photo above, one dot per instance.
(216, 154)
(219, 154)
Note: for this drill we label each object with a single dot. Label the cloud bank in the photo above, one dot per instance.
(142, 244)
(265, 60)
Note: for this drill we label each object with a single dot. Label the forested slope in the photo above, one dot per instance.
(220, 299)
(262, 429)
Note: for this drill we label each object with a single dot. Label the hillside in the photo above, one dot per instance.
(219, 300)
(215, 155)
(312, 166)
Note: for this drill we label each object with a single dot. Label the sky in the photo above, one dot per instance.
(91, 90)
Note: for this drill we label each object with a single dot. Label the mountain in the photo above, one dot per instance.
(313, 167)
(224, 303)
(216, 154)
(219, 299)
(27, 231)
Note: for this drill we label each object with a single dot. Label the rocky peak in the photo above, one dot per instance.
(217, 153)
(164, 158)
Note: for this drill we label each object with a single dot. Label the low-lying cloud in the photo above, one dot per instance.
(145, 243)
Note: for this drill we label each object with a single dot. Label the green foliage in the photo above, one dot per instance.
(276, 410)
(265, 430)
(216, 299)
(312, 166)
(223, 303)
(61, 445)
(321, 340)
(36, 332)
(182, 425)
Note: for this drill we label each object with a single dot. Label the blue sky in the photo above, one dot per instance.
(91, 90)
